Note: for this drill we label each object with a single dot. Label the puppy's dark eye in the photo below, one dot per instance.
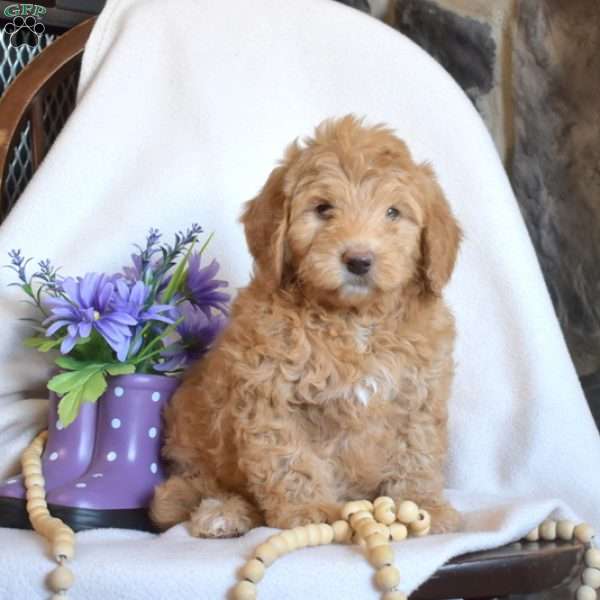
(324, 210)
(392, 213)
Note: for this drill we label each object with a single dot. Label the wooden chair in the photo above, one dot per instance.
(519, 568)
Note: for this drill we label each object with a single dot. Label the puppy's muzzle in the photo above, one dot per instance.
(358, 263)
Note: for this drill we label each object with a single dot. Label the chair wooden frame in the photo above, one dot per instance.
(516, 569)
(24, 99)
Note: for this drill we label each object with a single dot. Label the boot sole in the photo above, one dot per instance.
(13, 513)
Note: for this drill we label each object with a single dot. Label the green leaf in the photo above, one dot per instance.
(68, 363)
(120, 369)
(85, 385)
(94, 387)
(49, 345)
(34, 342)
(178, 277)
(68, 407)
(63, 383)
(210, 237)
(43, 344)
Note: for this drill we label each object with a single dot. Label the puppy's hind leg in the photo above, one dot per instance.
(174, 500)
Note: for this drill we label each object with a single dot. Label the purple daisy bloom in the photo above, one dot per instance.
(132, 299)
(86, 304)
(194, 336)
(203, 288)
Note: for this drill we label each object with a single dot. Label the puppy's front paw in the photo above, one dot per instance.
(217, 518)
(444, 518)
(290, 516)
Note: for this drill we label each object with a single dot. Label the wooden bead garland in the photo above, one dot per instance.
(372, 525)
(60, 536)
(565, 530)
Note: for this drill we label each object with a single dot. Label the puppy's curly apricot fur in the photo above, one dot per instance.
(332, 379)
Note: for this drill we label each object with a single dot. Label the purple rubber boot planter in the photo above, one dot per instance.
(117, 488)
(66, 457)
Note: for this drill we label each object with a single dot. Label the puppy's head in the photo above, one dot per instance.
(349, 216)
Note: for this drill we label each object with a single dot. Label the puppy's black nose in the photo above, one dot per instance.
(358, 264)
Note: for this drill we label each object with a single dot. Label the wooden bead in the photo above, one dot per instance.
(351, 508)
(326, 533)
(385, 514)
(253, 571)
(38, 511)
(383, 500)
(35, 503)
(342, 532)
(583, 533)
(314, 534)
(369, 528)
(591, 577)
(548, 530)
(533, 535)
(359, 516)
(592, 558)
(61, 579)
(394, 595)
(384, 530)
(376, 540)
(36, 492)
(381, 556)
(357, 540)
(366, 505)
(290, 539)
(398, 532)
(31, 480)
(301, 536)
(421, 532)
(279, 543)
(422, 522)
(267, 553)
(565, 529)
(387, 578)
(244, 590)
(48, 527)
(408, 512)
(31, 467)
(585, 592)
(63, 550)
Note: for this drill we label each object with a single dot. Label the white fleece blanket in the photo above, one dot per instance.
(183, 109)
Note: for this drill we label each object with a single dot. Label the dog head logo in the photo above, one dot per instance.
(349, 218)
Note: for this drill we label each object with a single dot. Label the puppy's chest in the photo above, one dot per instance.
(357, 366)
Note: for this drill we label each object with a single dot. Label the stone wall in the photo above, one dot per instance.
(532, 69)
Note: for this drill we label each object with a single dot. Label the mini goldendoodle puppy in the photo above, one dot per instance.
(332, 379)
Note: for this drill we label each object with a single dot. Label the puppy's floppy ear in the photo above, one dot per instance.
(441, 233)
(265, 223)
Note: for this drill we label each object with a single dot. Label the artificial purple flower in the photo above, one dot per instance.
(194, 336)
(85, 304)
(203, 288)
(134, 273)
(132, 299)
